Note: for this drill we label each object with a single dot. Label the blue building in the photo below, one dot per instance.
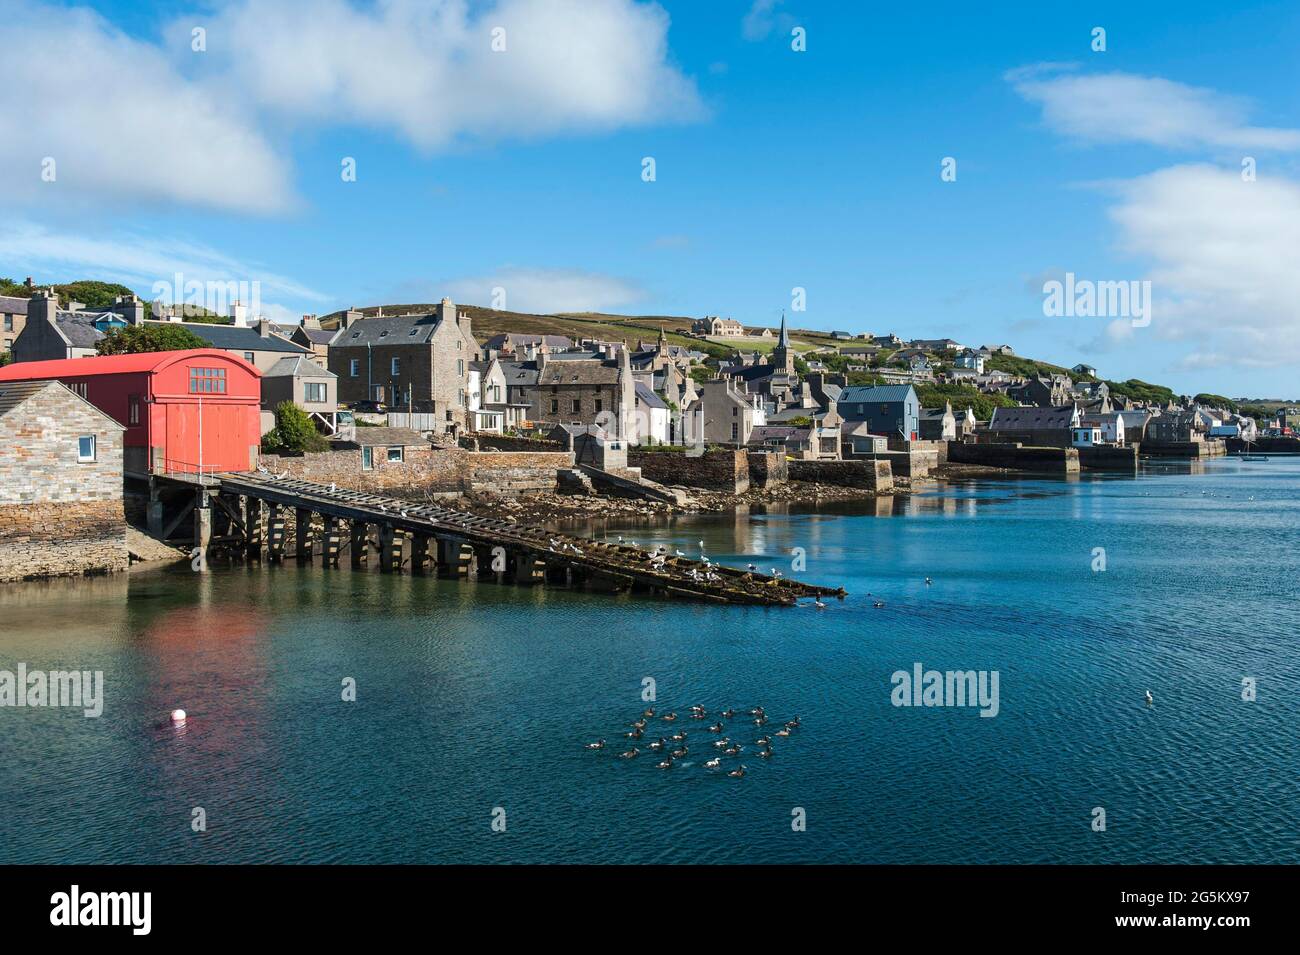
(893, 411)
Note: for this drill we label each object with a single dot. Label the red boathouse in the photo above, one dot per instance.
(183, 410)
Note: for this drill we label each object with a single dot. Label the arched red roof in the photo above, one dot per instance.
(114, 364)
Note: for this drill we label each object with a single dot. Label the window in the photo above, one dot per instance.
(315, 391)
(86, 448)
(207, 381)
(735, 431)
(600, 406)
(133, 410)
(367, 459)
(395, 367)
(395, 455)
(9, 323)
(460, 366)
(577, 405)
(248, 357)
(555, 406)
(354, 367)
(79, 387)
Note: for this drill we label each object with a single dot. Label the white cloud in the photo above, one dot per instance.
(426, 69)
(1125, 107)
(120, 123)
(140, 261)
(128, 120)
(760, 19)
(1223, 254)
(547, 290)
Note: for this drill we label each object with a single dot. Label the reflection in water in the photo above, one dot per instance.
(476, 695)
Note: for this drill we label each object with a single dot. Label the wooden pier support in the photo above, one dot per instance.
(390, 548)
(302, 533)
(420, 557)
(454, 557)
(333, 542)
(275, 533)
(253, 528)
(360, 543)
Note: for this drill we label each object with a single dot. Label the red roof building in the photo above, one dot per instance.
(184, 411)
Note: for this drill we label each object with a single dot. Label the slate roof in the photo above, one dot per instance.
(390, 437)
(388, 330)
(78, 328)
(1032, 418)
(519, 373)
(236, 337)
(297, 365)
(13, 305)
(14, 393)
(877, 394)
(581, 372)
(499, 342)
(648, 397)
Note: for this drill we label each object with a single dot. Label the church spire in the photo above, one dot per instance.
(783, 339)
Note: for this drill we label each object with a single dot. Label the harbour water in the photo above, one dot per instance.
(478, 697)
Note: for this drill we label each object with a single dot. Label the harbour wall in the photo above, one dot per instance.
(717, 469)
(874, 475)
(1016, 457)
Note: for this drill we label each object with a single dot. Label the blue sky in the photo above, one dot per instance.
(775, 169)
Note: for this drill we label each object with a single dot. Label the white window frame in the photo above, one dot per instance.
(94, 447)
(354, 368)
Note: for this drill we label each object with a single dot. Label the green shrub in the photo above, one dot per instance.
(294, 431)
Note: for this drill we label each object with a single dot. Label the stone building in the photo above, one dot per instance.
(713, 326)
(723, 414)
(305, 383)
(60, 484)
(418, 363)
(13, 316)
(585, 388)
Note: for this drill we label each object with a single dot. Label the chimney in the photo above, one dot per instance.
(310, 321)
(130, 308)
(42, 305)
(75, 306)
(239, 315)
(264, 328)
(350, 316)
(29, 283)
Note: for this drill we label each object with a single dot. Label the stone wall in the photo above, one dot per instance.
(767, 468)
(505, 442)
(718, 469)
(1046, 460)
(62, 539)
(872, 475)
(440, 471)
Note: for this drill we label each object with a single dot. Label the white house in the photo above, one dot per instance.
(969, 358)
(651, 416)
(1085, 437)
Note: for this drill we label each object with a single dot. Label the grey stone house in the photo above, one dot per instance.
(60, 484)
(13, 316)
(417, 363)
(305, 383)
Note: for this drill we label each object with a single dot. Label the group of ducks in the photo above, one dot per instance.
(728, 747)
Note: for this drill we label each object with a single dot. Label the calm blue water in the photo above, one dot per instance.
(472, 697)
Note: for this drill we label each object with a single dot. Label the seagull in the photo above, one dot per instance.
(819, 605)
(751, 567)
(928, 581)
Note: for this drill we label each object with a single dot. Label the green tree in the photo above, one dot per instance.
(293, 431)
(134, 339)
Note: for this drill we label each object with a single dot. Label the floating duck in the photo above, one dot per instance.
(713, 763)
(738, 773)
(928, 581)
(659, 745)
(765, 753)
(648, 713)
(818, 604)
(792, 724)
(635, 734)
(879, 604)
(629, 754)
(783, 732)
(733, 750)
(599, 744)
(763, 741)
(638, 724)
(678, 737)
(1149, 698)
(722, 743)
(669, 717)
(666, 764)
(727, 713)
(715, 728)
(679, 753)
